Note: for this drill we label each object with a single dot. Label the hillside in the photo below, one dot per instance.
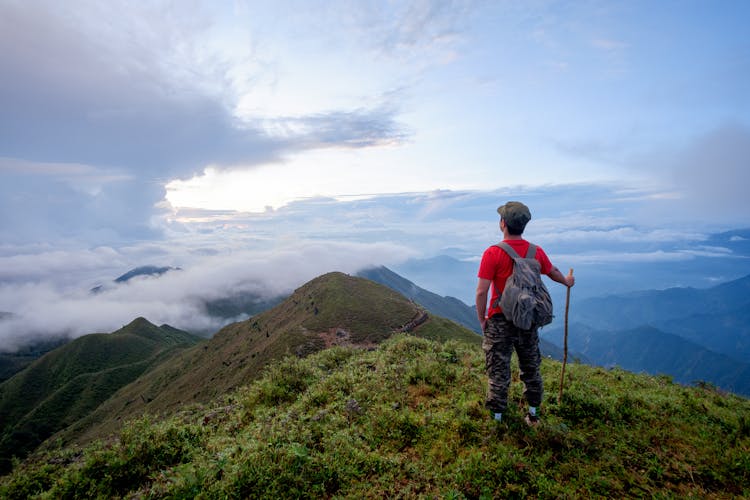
(13, 362)
(406, 420)
(333, 309)
(69, 382)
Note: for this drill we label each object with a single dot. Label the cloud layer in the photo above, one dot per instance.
(593, 228)
(61, 307)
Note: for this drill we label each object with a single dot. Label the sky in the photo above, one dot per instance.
(257, 144)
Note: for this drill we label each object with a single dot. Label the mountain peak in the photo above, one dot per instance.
(140, 322)
(145, 271)
(369, 310)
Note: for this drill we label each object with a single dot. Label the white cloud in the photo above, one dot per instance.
(101, 112)
(47, 307)
(59, 266)
(611, 257)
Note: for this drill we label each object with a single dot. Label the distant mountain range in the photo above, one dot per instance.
(719, 258)
(687, 333)
(652, 306)
(690, 334)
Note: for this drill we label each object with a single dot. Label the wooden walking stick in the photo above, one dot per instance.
(565, 342)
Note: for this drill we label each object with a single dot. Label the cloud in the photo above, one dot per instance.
(463, 223)
(38, 208)
(43, 308)
(636, 257)
(75, 174)
(592, 227)
(100, 112)
(702, 179)
(110, 99)
(702, 182)
(415, 25)
(62, 267)
(358, 128)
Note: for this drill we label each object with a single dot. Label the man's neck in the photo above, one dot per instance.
(507, 236)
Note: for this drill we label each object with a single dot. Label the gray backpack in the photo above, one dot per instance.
(525, 300)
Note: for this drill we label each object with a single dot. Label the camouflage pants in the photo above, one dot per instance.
(501, 337)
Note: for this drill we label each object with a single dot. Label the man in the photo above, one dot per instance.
(501, 336)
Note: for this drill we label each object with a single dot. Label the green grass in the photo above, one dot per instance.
(407, 420)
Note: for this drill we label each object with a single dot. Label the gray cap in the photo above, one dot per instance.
(515, 214)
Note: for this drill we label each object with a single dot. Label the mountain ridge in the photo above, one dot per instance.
(70, 381)
(633, 309)
(333, 310)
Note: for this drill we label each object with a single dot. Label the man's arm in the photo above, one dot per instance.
(556, 275)
(481, 300)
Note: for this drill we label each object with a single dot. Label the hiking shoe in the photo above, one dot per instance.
(531, 420)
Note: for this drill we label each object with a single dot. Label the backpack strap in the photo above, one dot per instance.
(530, 253)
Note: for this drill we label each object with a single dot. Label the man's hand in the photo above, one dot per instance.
(570, 279)
(556, 275)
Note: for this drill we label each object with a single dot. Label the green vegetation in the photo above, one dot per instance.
(333, 309)
(407, 419)
(13, 362)
(68, 383)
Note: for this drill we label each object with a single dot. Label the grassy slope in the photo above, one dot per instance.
(344, 309)
(69, 382)
(407, 420)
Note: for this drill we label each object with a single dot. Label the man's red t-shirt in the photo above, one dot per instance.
(497, 266)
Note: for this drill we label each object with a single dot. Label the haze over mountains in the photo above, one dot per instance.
(690, 334)
(718, 258)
